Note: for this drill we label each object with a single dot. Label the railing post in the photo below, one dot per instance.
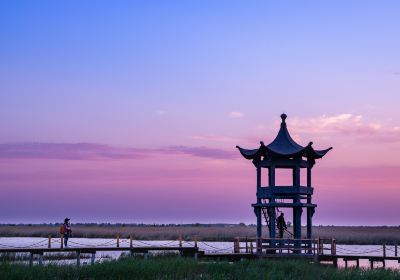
(180, 240)
(195, 241)
(62, 241)
(333, 252)
(313, 246)
(251, 246)
(49, 242)
(93, 258)
(395, 250)
(118, 241)
(130, 241)
(333, 246)
(320, 247)
(236, 247)
(247, 246)
(259, 245)
(384, 250)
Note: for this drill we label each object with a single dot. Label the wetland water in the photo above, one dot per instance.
(209, 246)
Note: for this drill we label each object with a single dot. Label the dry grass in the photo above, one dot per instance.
(344, 235)
(12, 257)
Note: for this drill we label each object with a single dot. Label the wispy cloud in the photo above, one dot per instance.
(214, 138)
(93, 151)
(236, 114)
(203, 152)
(68, 151)
(348, 124)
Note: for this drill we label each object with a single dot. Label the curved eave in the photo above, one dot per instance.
(307, 152)
(319, 153)
(249, 154)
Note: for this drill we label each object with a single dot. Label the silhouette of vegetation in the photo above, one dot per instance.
(184, 268)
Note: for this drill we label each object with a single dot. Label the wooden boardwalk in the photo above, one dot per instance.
(313, 250)
(183, 251)
(356, 258)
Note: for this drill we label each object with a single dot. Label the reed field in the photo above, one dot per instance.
(183, 268)
(15, 257)
(343, 234)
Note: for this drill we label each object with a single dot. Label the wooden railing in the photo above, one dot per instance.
(285, 246)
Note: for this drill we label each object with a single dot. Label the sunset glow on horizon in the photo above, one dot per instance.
(131, 111)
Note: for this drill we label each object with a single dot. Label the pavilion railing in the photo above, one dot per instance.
(316, 246)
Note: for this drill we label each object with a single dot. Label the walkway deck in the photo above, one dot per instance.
(313, 250)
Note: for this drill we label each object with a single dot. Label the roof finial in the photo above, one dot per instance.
(283, 117)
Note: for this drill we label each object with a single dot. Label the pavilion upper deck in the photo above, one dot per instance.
(284, 205)
(283, 191)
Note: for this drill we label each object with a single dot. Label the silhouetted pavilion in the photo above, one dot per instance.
(283, 152)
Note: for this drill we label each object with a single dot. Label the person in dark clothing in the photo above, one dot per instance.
(67, 231)
(281, 225)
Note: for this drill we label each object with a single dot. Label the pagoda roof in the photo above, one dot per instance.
(283, 146)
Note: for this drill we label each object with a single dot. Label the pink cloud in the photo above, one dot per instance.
(236, 114)
(67, 151)
(92, 151)
(214, 138)
(346, 124)
(202, 152)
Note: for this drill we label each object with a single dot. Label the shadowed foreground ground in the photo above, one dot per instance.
(344, 235)
(183, 268)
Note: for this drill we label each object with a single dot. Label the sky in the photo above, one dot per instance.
(130, 111)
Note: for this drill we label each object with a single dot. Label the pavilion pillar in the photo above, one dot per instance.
(271, 210)
(310, 211)
(297, 211)
(257, 211)
(258, 184)
(271, 176)
(272, 222)
(296, 175)
(309, 176)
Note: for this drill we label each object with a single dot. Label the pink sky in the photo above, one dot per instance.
(200, 183)
(131, 110)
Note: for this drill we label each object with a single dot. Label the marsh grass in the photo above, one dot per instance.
(343, 235)
(12, 257)
(184, 268)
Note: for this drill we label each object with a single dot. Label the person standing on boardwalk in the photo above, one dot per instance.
(281, 225)
(66, 231)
